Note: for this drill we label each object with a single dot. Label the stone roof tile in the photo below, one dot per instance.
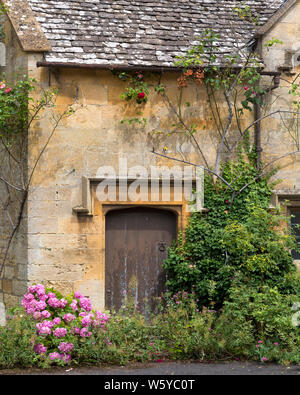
(135, 32)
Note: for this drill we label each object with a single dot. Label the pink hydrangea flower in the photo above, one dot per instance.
(100, 316)
(40, 290)
(37, 315)
(73, 305)
(55, 355)
(43, 297)
(43, 330)
(65, 347)
(45, 314)
(28, 297)
(77, 331)
(85, 304)
(40, 305)
(56, 321)
(85, 333)
(78, 295)
(47, 323)
(54, 302)
(36, 302)
(63, 303)
(69, 317)
(86, 321)
(40, 348)
(60, 332)
(32, 288)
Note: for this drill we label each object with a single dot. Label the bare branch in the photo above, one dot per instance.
(262, 173)
(57, 121)
(217, 118)
(235, 144)
(229, 122)
(12, 235)
(10, 185)
(25, 191)
(10, 219)
(8, 151)
(186, 127)
(280, 157)
(196, 165)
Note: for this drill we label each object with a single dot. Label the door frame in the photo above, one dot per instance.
(108, 207)
(92, 211)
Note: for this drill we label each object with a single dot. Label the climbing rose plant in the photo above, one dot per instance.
(137, 87)
(62, 322)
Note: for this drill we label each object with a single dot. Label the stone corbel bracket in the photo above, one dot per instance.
(86, 208)
(292, 60)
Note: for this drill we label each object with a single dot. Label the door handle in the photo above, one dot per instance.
(162, 246)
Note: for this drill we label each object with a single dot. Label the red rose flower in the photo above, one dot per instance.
(141, 95)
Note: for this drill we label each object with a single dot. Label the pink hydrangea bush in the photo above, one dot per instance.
(61, 323)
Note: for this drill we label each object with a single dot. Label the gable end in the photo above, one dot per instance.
(27, 28)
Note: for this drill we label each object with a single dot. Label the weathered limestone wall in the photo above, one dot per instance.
(66, 250)
(14, 278)
(16, 58)
(281, 131)
(280, 134)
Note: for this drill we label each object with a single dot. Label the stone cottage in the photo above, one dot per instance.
(70, 238)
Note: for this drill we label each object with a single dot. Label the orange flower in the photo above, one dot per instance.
(181, 82)
(199, 76)
(188, 73)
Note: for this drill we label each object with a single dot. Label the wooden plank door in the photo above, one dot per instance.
(136, 243)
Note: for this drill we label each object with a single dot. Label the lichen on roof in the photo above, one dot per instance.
(29, 32)
(141, 32)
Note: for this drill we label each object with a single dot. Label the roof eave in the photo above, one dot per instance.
(126, 67)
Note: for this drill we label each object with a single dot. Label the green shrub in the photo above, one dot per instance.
(185, 331)
(128, 337)
(16, 341)
(256, 323)
(236, 237)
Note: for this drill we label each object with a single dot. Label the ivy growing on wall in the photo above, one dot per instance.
(243, 241)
